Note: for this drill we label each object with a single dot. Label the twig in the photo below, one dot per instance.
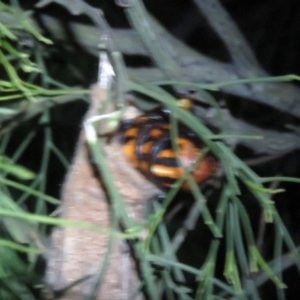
(241, 53)
(262, 222)
(200, 69)
(79, 7)
(273, 143)
(143, 25)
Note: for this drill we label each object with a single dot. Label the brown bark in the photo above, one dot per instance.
(77, 252)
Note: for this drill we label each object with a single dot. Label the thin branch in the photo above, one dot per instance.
(272, 142)
(79, 7)
(200, 69)
(152, 40)
(241, 53)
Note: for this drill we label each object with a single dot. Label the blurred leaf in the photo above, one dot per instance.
(21, 172)
(29, 190)
(6, 32)
(259, 188)
(18, 247)
(20, 230)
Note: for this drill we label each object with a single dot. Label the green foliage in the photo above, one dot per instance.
(21, 45)
(28, 88)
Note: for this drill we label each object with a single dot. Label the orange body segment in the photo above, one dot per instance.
(164, 165)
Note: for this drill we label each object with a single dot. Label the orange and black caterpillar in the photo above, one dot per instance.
(147, 145)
